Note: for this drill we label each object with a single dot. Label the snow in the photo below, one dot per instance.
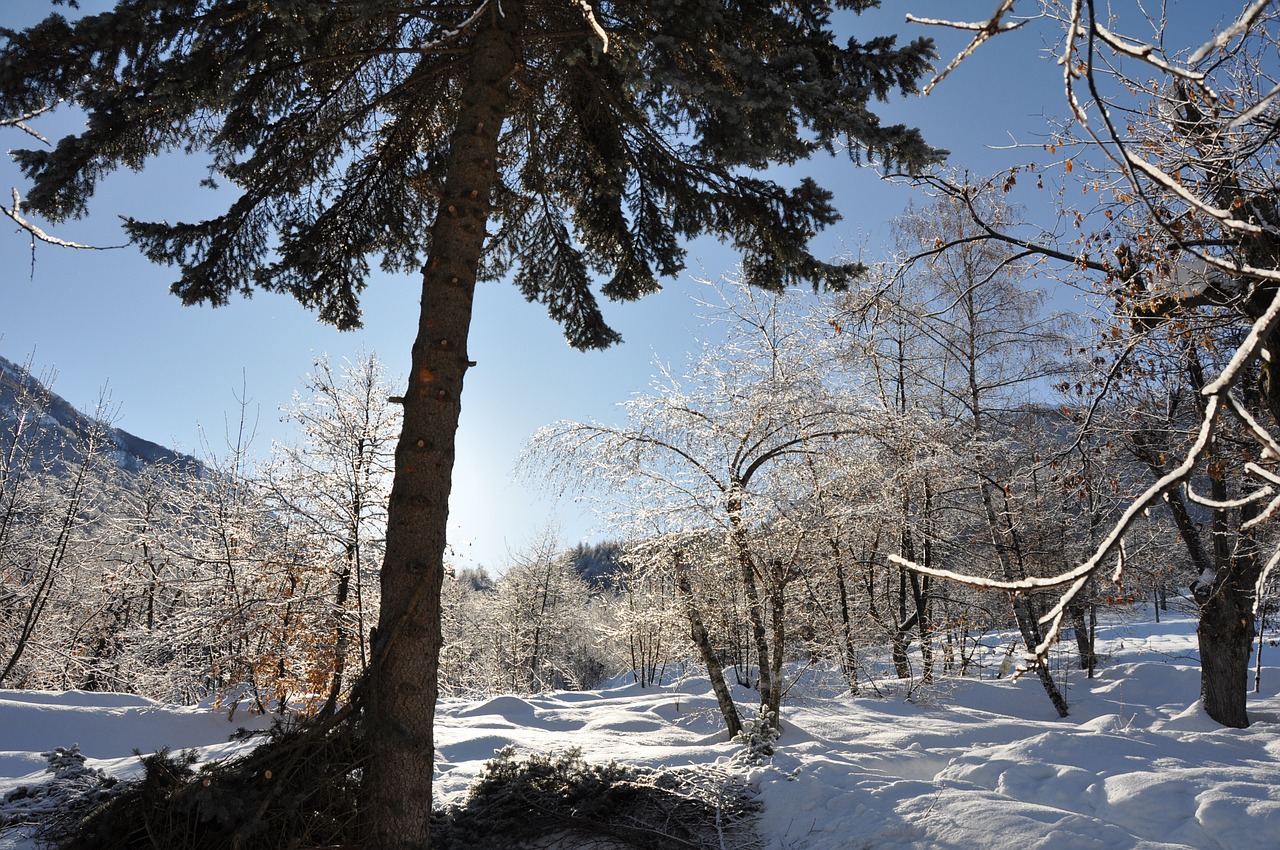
(973, 763)
(108, 727)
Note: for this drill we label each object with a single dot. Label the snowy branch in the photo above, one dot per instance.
(1144, 53)
(1254, 111)
(1075, 577)
(1228, 504)
(15, 213)
(985, 30)
(589, 14)
(1240, 27)
(20, 122)
(1173, 186)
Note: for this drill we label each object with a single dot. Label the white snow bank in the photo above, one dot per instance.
(986, 765)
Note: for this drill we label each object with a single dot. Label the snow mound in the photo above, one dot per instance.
(1136, 765)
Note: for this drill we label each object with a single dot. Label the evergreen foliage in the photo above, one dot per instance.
(562, 799)
(332, 121)
(298, 791)
(598, 564)
(72, 791)
(758, 739)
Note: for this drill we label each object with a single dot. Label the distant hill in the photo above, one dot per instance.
(598, 564)
(63, 426)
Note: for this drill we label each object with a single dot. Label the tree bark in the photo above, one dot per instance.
(1084, 638)
(702, 640)
(406, 646)
(770, 692)
(778, 636)
(1225, 630)
(1225, 634)
(902, 631)
(920, 592)
(340, 637)
(849, 657)
(1023, 612)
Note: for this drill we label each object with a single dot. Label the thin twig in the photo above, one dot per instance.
(985, 30)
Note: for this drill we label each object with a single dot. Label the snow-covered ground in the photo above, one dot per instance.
(979, 763)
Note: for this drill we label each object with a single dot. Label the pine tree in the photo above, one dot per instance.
(593, 135)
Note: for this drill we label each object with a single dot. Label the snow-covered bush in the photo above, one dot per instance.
(51, 806)
(758, 738)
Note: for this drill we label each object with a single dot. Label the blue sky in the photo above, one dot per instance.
(106, 318)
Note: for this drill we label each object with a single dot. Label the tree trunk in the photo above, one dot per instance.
(1225, 628)
(702, 640)
(772, 699)
(1023, 611)
(1084, 639)
(755, 603)
(1225, 633)
(902, 632)
(899, 644)
(848, 656)
(406, 647)
(340, 637)
(924, 624)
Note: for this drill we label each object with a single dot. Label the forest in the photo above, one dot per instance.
(869, 466)
(757, 502)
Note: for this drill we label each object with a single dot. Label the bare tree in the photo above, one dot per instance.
(539, 622)
(709, 452)
(333, 484)
(48, 490)
(958, 345)
(1180, 148)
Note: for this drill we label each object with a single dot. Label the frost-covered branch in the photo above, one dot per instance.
(1169, 184)
(20, 121)
(1144, 52)
(589, 14)
(1218, 394)
(984, 29)
(15, 213)
(1239, 28)
(1073, 577)
(1228, 504)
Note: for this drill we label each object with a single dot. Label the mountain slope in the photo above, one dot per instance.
(63, 427)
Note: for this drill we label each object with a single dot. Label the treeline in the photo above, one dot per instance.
(248, 582)
(841, 481)
(774, 502)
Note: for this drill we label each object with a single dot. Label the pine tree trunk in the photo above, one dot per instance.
(406, 647)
